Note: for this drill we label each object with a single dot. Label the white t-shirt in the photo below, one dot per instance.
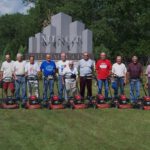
(32, 69)
(67, 72)
(148, 71)
(119, 69)
(19, 67)
(85, 67)
(7, 68)
(61, 65)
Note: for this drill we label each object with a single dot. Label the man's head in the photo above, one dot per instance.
(48, 57)
(85, 56)
(71, 64)
(31, 59)
(119, 59)
(8, 57)
(19, 57)
(63, 56)
(134, 59)
(103, 55)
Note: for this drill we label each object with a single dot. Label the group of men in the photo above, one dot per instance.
(15, 76)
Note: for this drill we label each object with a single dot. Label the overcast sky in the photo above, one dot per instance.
(13, 6)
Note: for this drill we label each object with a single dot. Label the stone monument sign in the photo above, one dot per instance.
(62, 35)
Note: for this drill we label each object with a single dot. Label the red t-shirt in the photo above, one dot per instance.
(103, 68)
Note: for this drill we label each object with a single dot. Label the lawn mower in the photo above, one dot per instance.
(100, 101)
(74, 101)
(145, 100)
(121, 101)
(9, 102)
(33, 101)
(55, 102)
(77, 102)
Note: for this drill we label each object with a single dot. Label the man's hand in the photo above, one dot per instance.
(15, 78)
(125, 81)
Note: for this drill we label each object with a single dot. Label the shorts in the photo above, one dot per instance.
(9, 85)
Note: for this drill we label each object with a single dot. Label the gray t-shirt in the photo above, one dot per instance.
(86, 67)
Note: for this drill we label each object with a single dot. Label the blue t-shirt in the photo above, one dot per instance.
(48, 68)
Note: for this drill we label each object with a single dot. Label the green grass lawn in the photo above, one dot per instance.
(89, 129)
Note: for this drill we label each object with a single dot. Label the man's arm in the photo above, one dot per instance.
(1, 72)
(26, 69)
(141, 74)
(110, 68)
(63, 77)
(125, 74)
(1, 75)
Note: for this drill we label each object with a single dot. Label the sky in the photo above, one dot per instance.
(13, 6)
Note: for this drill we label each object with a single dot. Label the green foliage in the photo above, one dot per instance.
(122, 27)
(22, 49)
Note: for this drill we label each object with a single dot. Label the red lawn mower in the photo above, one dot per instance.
(145, 100)
(33, 101)
(77, 102)
(55, 102)
(122, 101)
(100, 101)
(8, 102)
(74, 101)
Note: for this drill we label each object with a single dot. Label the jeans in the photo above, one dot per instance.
(120, 84)
(134, 89)
(48, 84)
(20, 83)
(100, 85)
(60, 86)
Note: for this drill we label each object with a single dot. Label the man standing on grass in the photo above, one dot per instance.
(134, 74)
(7, 75)
(119, 73)
(103, 69)
(63, 63)
(70, 77)
(148, 78)
(48, 68)
(86, 67)
(32, 69)
(20, 80)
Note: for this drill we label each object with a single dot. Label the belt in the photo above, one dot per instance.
(134, 78)
(119, 77)
(20, 75)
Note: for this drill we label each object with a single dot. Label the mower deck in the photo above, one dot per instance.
(102, 106)
(59, 106)
(6, 106)
(124, 106)
(29, 106)
(77, 106)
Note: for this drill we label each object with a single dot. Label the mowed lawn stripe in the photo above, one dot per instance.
(74, 129)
